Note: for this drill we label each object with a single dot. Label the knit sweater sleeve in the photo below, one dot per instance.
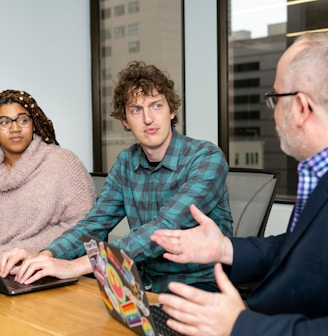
(59, 193)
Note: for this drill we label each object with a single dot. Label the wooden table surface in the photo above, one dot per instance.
(75, 310)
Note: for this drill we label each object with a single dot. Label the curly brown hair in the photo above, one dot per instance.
(42, 125)
(143, 78)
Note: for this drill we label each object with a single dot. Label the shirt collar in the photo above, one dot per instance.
(171, 157)
(318, 163)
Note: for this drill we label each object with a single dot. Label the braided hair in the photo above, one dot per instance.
(42, 125)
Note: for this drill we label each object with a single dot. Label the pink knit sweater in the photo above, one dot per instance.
(47, 191)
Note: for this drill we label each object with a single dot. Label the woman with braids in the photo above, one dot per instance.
(44, 189)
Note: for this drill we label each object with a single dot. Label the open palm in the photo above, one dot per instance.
(201, 244)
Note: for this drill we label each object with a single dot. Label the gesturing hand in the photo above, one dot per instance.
(196, 312)
(202, 244)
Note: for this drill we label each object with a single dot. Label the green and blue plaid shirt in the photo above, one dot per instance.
(192, 171)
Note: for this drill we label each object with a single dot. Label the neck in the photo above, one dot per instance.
(156, 154)
(8, 164)
(10, 161)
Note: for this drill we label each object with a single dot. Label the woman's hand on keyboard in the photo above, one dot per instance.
(11, 260)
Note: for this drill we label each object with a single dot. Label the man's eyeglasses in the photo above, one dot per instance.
(271, 98)
(22, 120)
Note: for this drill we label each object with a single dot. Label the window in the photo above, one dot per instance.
(258, 34)
(248, 82)
(133, 29)
(119, 10)
(105, 13)
(107, 73)
(119, 32)
(133, 7)
(246, 115)
(246, 67)
(247, 99)
(114, 44)
(251, 38)
(106, 51)
(106, 34)
(134, 47)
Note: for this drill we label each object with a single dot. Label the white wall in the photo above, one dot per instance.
(201, 70)
(45, 50)
(278, 219)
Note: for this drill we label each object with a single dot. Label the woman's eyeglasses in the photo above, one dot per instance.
(23, 120)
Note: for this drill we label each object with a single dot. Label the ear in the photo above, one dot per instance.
(126, 125)
(173, 114)
(305, 111)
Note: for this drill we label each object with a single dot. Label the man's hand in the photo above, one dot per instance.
(202, 244)
(196, 312)
(43, 265)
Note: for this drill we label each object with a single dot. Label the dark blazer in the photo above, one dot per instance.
(293, 269)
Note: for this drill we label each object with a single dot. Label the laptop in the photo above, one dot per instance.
(122, 290)
(9, 286)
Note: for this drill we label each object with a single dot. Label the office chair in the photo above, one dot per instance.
(99, 180)
(251, 196)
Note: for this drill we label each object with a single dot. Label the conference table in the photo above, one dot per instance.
(74, 310)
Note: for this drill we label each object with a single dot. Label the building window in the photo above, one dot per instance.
(105, 13)
(119, 32)
(244, 83)
(252, 159)
(133, 7)
(107, 91)
(119, 10)
(106, 34)
(249, 132)
(134, 47)
(246, 115)
(247, 99)
(106, 51)
(246, 67)
(107, 73)
(133, 29)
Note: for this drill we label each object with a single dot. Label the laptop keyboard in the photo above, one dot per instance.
(11, 284)
(160, 317)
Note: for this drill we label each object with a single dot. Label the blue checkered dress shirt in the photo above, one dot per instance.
(309, 173)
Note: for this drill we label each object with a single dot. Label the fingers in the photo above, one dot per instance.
(197, 214)
(186, 300)
(207, 225)
(32, 269)
(167, 233)
(185, 307)
(9, 259)
(170, 243)
(177, 258)
(232, 303)
(223, 282)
